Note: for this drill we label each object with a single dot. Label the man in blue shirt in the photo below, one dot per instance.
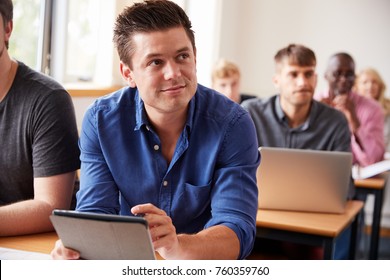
(180, 153)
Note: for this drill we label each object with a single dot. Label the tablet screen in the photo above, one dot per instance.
(104, 236)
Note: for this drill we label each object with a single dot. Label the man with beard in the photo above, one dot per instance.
(292, 119)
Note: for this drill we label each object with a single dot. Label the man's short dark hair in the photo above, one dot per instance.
(148, 16)
(296, 55)
(6, 10)
(343, 55)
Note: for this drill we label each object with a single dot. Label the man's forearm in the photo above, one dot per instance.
(218, 242)
(29, 216)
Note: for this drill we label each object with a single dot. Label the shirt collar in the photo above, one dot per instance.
(278, 109)
(140, 114)
(283, 119)
(141, 118)
(191, 113)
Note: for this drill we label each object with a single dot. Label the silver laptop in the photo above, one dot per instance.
(303, 180)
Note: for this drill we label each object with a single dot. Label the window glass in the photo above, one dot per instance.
(24, 39)
(82, 40)
(75, 46)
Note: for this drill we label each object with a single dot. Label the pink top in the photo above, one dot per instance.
(371, 146)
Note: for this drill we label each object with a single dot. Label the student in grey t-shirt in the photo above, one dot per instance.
(38, 139)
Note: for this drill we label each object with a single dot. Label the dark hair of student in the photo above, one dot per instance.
(296, 54)
(6, 10)
(144, 17)
(343, 55)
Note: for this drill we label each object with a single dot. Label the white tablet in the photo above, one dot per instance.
(104, 236)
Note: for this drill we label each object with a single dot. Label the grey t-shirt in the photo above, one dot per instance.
(38, 134)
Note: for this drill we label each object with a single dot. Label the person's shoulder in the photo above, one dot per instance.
(328, 114)
(325, 109)
(215, 105)
(245, 96)
(121, 97)
(209, 97)
(258, 103)
(36, 81)
(38, 90)
(362, 101)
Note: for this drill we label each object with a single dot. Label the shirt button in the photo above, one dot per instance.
(165, 183)
(156, 147)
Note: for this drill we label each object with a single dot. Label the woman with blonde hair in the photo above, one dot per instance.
(370, 84)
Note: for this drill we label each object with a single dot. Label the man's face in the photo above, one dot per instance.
(340, 75)
(296, 84)
(163, 68)
(229, 86)
(5, 34)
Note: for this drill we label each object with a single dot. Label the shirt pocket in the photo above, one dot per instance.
(194, 200)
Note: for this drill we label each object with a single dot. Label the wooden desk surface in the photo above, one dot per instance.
(329, 225)
(41, 243)
(372, 183)
(313, 223)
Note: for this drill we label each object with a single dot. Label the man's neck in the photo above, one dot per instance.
(7, 74)
(167, 122)
(296, 115)
(168, 127)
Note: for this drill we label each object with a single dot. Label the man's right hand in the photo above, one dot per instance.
(61, 253)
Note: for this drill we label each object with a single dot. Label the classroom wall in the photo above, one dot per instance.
(253, 30)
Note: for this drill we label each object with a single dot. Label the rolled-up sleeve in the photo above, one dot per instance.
(234, 199)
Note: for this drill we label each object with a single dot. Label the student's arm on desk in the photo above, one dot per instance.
(32, 216)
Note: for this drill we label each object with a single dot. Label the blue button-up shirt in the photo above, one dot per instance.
(210, 181)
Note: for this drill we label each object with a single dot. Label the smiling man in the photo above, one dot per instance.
(161, 148)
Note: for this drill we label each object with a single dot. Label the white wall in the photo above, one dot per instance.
(205, 23)
(253, 30)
